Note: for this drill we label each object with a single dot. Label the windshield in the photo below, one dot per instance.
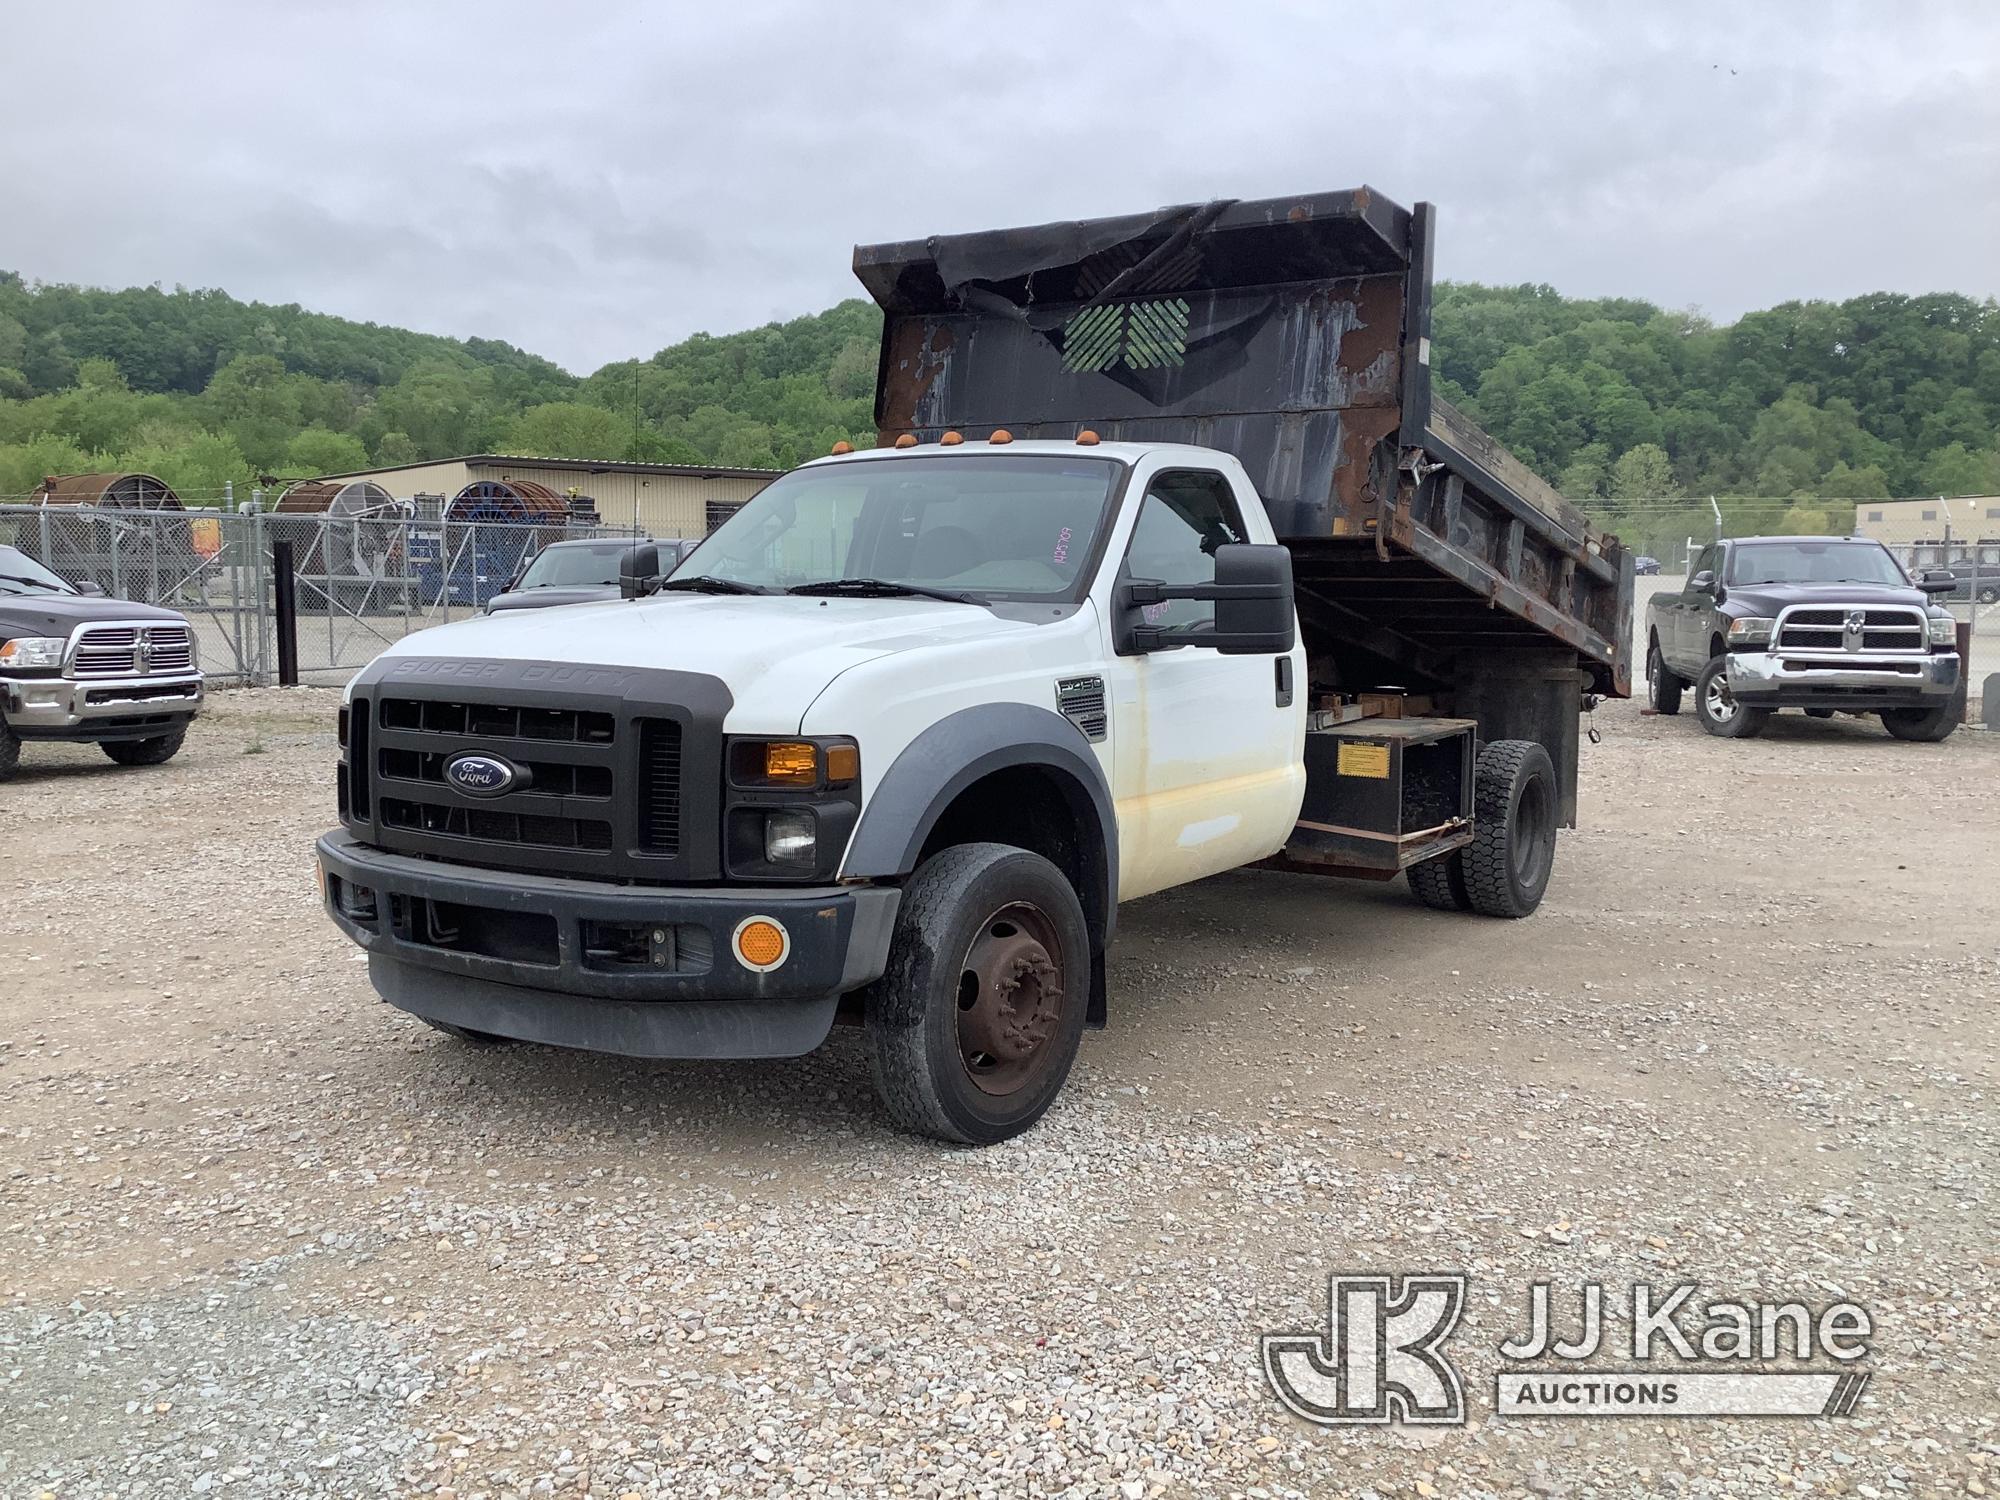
(1814, 562)
(21, 574)
(572, 567)
(998, 526)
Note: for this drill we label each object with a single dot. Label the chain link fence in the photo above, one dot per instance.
(362, 582)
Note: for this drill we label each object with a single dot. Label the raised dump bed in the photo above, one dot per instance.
(1293, 333)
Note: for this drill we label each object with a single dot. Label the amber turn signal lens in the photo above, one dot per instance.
(761, 943)
(951, 440)
(1001, 435)
(1087, 439)
(791, 764)
(843, 764)
(843, 447)
(907, 440)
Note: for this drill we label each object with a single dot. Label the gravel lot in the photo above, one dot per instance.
(261, 1235)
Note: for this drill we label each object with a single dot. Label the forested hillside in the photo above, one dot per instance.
(1631, 410)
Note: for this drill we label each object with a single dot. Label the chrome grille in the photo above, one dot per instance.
(1841, 630)
(131, 650)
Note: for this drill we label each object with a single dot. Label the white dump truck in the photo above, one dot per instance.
(1166, 562)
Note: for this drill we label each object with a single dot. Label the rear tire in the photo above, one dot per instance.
(1516, 806)
(973, 1026)
(10, 752)
(1819, 713)
(1440, 883)
(153, 752)
(1717, 709)
(1664, 687)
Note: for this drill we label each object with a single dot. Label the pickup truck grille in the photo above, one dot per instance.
(616, 771)
(131, 651)
(1838, 628)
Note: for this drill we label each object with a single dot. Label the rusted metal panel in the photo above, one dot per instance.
(1293, 333)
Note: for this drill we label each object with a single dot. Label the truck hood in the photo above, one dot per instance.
(775, 653)
(59, 614)
(1769, 598)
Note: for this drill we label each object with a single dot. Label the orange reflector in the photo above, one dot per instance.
(1087, 438)
(843, 763)
(843, 447)
(791, 763)
(761, 943)
(951, 439)
(1001, 435)
(907, 440)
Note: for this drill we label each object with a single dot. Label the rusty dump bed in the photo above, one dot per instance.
(1293, 333)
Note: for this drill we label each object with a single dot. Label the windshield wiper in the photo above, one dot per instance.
(708, 583)
(33, 583)
(884, 588)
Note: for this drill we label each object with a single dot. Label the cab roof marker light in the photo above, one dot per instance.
(951, 440)
(841, 447)
(1087, 439)
(907, 440)
(1001, 435)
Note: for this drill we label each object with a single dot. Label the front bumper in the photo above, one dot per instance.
(554, 960)
(63, 708)
(1769, 679)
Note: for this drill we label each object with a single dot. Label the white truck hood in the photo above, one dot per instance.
(776, 653)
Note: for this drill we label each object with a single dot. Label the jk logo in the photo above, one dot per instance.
(1377, 1360)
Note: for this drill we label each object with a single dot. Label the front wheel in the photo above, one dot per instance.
(1927, 724)
(10, 751)
(973, 1026)
(1718, 709)
(1515, 810)
(1988, 593)
(156, 751)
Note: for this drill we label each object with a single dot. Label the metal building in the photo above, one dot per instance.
(663, 500)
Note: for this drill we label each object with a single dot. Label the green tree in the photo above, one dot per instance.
(1644, 472)
(317, 451)
(567, 429)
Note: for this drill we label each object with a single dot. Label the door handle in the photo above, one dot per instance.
(1284, 682)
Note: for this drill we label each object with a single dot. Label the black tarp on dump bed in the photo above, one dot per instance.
(1293, 333)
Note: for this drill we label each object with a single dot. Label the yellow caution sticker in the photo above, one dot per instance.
(1363, 760)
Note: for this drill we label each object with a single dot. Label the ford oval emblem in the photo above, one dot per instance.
(482, 775)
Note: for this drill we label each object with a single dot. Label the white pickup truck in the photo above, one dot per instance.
(894, 743)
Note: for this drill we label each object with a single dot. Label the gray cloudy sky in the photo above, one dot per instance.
(595, 180)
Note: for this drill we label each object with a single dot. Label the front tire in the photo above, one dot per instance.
(1664, 688)
(156, 751)
(1716, 707)
(973, 1026)
(10, 752)
(1928, 725)
(1515, 808)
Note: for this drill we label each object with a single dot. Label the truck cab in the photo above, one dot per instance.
(895, 742)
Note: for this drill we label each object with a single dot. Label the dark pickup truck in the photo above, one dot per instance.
(1826, 624)
(76, 665)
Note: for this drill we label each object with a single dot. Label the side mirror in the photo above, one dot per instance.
(1938, 581)
(639, 571)
(90, 588)
(1702, 582)
(1252, 594)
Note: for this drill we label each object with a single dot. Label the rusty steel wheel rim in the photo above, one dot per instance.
(1010, 1000)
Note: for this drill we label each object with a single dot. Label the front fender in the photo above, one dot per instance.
(957, 751)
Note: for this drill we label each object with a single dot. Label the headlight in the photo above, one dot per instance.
(801, 764)
(791, 838)
(1754, 631)
(1944, 631)
(33, 651)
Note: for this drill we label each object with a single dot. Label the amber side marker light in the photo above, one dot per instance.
(1087, 439)
(1001, 435)
(840, 448)
(843, 764)
(907, 440)
(761, 944)
(951, 440)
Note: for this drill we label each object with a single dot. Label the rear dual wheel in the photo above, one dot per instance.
(1504, 871)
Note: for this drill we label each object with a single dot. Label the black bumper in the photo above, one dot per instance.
(636, 970)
